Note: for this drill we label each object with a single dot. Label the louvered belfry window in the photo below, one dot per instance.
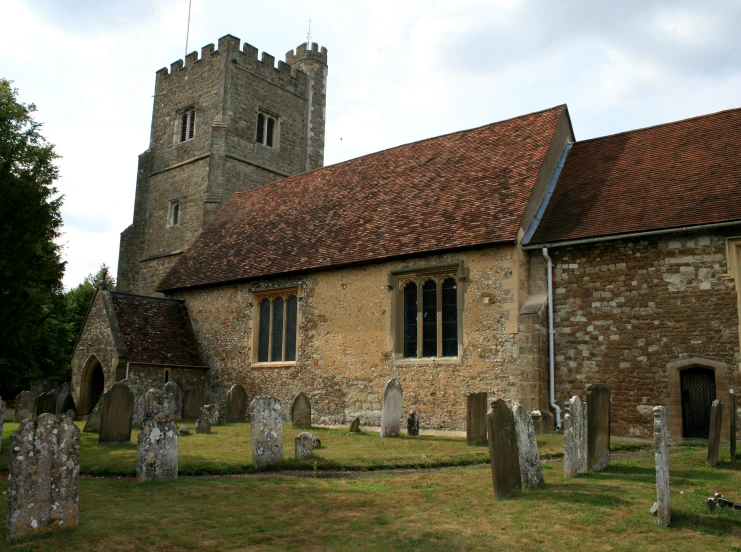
(265, 133)
(187, 125)
(428, 308)
(277, 326)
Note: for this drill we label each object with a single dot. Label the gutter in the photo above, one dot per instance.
(551, 352)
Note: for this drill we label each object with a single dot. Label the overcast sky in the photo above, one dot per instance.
(399, 71)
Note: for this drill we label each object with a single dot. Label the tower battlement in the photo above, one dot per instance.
(303, 53)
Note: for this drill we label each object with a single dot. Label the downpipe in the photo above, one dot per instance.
(551, 352)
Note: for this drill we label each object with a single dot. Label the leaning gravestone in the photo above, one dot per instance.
(2, 421)
(117, 415)
(716, 420)
(732, 423)
(391, 410)
(663, 495)
(92, 423)
(176, 400)
(25, 406)
(355, 425)
(157, 449)
(413, 423)
(267, 431)
(575, 438)
(62, 397)
(192, 402)
(301, 411)
(140, 404)
(236, 405)
(505, 458)
(44, 473)
(476, 419)
(531, 472)
(46, 403)
(203, 425)
(211, 412)
(304, 445)
(598, 427)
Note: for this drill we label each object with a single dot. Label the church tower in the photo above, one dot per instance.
(221, 123)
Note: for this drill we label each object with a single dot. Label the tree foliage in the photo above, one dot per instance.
(35, 334)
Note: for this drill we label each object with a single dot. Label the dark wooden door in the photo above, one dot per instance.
(698, 394)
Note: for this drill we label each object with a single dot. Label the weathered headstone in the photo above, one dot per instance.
(2, 421)
(42, 386)
(25, 406)
(62, 397)
(68, 403)
(575, 438)
(732, 423)
(117, 415)
(476, 419)
(503, 452)
(304, 445)
(71, 414)
(183, 430)
(598, 427)
(301, 411)
(140, 402)
(176, 400)
(157, 449)
(413, 423)
(663, 495)
(355, 425)
(156, 403)
(203, 425)
(391, 409)
(46, 403)
(92, 423)
(716, 421)
(236, 405)
(192, 402)
(531, 472)
(267, 431)
(211, 411)
(44, 473)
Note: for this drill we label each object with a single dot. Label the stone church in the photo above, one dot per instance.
(509, 259)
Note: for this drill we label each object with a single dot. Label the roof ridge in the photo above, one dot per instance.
(668, 123)
(148, 298)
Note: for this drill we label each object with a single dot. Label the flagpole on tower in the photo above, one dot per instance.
(308, 36)
(187, 32)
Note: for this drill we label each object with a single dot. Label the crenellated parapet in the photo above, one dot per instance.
(303, 53)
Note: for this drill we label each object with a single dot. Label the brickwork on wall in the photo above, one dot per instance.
(628, 312)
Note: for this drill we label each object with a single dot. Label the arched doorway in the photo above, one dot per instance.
(698, 394)
(93, 383)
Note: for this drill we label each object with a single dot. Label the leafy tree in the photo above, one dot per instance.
(32, 303)
(80, 297)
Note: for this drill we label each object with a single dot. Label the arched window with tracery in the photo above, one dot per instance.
(276, 326)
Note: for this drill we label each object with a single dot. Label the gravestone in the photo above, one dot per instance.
(62, 397)
(355, 425)
(301, 411)
(203, 425)
(68, 403)
(44, 473)
(391, 409)
(575, 438)
(413, 423)
(716, 421)
(2, 421)
(211, 412)
(732, 423)
(157, 449)
(476, 419)
(503, 452)
(71, 414)
(140, 402)
(172, 390)
(117, 415)
(267, 431)
(43, 386)
(46, 403)
(598, 427)
(304, 445)
(531, 473)
(192, 402)
(92, 423)
(183, 430)
(25, 406)
(663, 495)
(236, 405)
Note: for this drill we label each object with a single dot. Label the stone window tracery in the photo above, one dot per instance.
(276, 326)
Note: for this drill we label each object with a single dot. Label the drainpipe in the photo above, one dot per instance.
(127, 370)
(551, 352)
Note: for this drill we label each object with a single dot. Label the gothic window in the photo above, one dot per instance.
(266, 130)
(186, 125)
(173, 212)
(427, 309)
(276, 326)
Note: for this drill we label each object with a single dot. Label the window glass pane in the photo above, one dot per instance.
(269, 140)
(192, 127)
(410, 320)
(263, 335)
(291, 309)
(175, 213)
(260, 128)
(276, 353)
(450, 317)
(429, 319)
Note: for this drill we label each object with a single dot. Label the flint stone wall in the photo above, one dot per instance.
(43, 479)
(267, 431)
(157, 450)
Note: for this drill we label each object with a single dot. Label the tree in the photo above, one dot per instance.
(80, 297)
(32, 305)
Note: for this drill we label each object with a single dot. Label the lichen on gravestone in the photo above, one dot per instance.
(157, 449)
(304, 445)
(267, 431)
(391, 409)
(531, 472)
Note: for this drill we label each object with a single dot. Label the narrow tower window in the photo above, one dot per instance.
(266, 130)
(187, 125)
(173, 212)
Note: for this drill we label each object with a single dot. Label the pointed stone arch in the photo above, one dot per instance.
(92, 385)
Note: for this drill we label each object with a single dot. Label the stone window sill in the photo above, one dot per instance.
(428, 361)
(267, 365)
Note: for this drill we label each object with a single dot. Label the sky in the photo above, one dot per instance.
(399, 71)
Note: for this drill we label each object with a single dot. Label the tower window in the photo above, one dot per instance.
(186, 125)
(173, 212)
(266, 130)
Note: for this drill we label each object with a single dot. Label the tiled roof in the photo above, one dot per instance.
(668, 176)
(156, 331)
(460, 190)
